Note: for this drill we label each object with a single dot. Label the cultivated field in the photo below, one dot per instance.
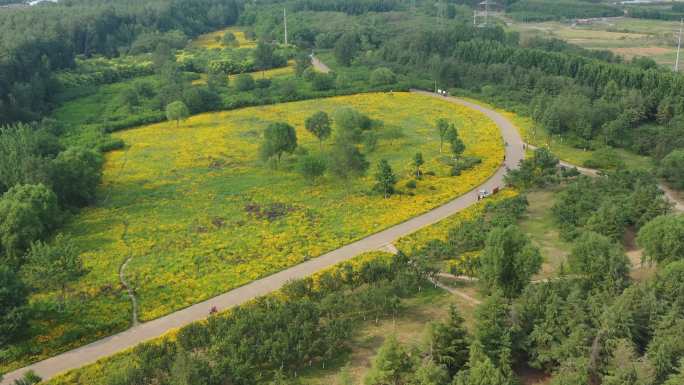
(190, 205)
(625, 36)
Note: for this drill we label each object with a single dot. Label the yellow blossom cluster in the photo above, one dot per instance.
(266, 74)
(440, 230)
(213, 39)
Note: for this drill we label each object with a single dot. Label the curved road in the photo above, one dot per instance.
(105, 347)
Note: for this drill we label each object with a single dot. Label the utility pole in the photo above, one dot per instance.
(441, 12)
(285, 21)
(679, 45)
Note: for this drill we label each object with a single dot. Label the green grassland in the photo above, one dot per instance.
(184, 203)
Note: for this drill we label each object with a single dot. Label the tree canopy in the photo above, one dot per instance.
(508, 261)
(279, 138)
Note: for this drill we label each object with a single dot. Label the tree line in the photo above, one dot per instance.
(592, 101)
(41, 183)
(544, 10)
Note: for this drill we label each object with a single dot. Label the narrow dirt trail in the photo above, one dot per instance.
(671, 195)
(122, 277)
(149, 330)
(318, 65)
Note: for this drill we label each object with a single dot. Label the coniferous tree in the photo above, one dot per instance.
(449, 342)
(386, 179)
(390, 365)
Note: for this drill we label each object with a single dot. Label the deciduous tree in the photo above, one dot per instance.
(75, 175)
(311, 167)
(177, 111)
(508, 261)
(53, 265)
(279, 138)
(13, 299)
(418, 162)
(27, 213)
(346, 48)
(319, 125)
(442, 129)
(672, 168)
(663, 239)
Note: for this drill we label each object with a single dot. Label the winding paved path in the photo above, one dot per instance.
(105, 347)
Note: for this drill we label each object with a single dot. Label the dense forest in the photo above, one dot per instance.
(659, 12)
(540, 10)
(40, 40)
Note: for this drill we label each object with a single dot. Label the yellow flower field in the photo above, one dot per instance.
(175, 201)
(213, 39)
(440, 230)
(266, 74)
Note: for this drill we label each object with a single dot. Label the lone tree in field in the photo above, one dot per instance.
(442, 129)
(177, 111)
(346, 160)
(278, 139)
(229, 40)
(311, 167)
(417, 163)
(319, 125)
(455, 142)
(385, 178)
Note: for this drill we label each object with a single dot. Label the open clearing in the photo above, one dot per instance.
(181, 202)
(539, 225)
(213, 39)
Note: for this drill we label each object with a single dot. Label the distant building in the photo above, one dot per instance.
(36, 2)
